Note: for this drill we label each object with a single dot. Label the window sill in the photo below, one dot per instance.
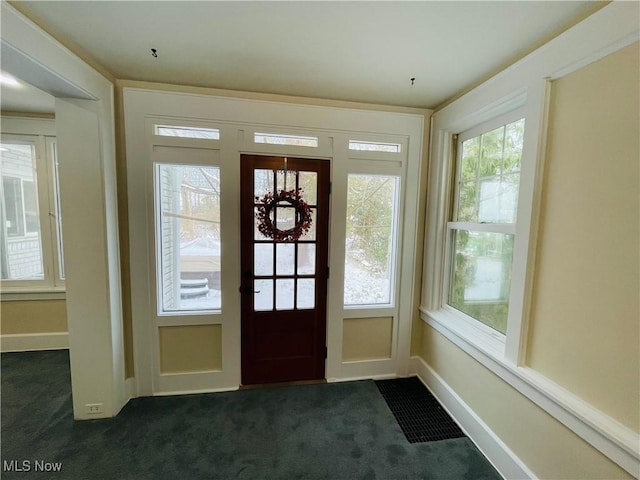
(12, 294)
(472, 332)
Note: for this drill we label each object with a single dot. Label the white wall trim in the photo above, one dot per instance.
(237, 120)
(25, 342)
(495, 450)
(382, 376)
(616, 441)
(34, 295)
(28, 126)
(196, 391)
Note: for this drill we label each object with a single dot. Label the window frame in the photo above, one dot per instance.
(472, 120)
(453, 225)
(160, 311)
(50, 243)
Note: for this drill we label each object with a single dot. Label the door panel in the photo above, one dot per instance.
(284, 288)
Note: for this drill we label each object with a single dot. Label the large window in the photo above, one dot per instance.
(372, 210)
(30, 244)
(483, 221)
(188, 238)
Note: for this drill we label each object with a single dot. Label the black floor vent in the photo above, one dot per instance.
(418, 413)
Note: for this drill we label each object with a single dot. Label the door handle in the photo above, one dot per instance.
(248, 290)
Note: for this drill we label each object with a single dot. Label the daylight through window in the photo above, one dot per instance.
(29, 206)
(482, 230)
(188, 238)
(372, 211)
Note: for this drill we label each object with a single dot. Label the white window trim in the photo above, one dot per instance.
(40, 133)
(176, 317)
(525, 83)
(495, 114)
(238, 120)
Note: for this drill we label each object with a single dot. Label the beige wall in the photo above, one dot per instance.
(366, 338)
(194, 348)
(585, 326)
(26, 317)
(546, 446)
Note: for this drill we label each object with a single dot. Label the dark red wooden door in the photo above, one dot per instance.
(284, 283)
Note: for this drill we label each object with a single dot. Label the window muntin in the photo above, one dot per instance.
(482, 230)
(489, 174)
(187, 132)
(188, 238)
(281, 139)
(370, 246)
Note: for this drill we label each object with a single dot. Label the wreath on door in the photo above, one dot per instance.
(270, 201)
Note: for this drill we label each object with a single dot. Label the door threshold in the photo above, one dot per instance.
(283, 384)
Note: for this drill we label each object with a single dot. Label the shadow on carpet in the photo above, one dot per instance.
(325, 431)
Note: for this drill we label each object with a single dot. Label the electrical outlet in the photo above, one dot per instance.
(94, 408)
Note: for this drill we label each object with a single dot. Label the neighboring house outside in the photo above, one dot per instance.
(21, 252)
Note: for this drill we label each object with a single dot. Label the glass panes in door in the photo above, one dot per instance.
(284, 272)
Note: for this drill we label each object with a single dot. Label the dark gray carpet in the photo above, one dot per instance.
(330, 431)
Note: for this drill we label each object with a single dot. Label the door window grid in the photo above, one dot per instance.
(290, 267)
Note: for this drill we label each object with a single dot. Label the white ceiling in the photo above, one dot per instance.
(357, 51)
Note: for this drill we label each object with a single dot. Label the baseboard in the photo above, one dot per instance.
(26, 342)
(501, 457)
(130, 388)
(383, 376)
(196, 391)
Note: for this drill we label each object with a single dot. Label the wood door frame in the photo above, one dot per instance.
(247, 257)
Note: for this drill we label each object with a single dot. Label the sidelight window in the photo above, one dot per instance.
(187, 238)
(371, 239)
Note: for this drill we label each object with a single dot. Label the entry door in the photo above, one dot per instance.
(284, 281)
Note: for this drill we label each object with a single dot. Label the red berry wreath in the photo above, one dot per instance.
(271, 201)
